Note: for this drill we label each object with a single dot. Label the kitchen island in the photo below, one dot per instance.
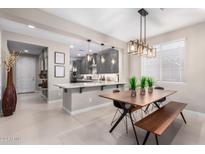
(82, 97)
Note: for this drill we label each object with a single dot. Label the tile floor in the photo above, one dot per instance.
(36, 122)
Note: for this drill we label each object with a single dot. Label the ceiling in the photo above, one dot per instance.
(119, 23)
(80, 46)
(29, 48)
(123, 24)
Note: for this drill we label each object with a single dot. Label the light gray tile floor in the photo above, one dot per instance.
(36, 122)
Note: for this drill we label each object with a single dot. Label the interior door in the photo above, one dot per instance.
(26, 74)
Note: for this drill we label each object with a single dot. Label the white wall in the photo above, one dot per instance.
(58, 25)
(135, 63)
(45, 21)
(54, 92)
(52, 23)
(0, 69)
(193, 90)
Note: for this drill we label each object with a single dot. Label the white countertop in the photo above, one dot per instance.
(87, 84)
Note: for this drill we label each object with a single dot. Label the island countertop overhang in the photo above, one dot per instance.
(89, 84)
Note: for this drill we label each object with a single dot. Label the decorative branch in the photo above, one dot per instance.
(11, 59)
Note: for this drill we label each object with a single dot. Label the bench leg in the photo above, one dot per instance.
(156, 137)
(146, 137)
(134, 128)
(183, 117)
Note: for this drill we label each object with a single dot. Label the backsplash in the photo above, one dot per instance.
(98, 77)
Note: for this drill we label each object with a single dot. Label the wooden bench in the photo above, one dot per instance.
(158, 121)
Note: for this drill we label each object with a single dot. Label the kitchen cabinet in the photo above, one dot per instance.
(108, 61)
(86, 66)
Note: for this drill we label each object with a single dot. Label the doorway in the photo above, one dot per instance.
(31, 68)
(26, 74)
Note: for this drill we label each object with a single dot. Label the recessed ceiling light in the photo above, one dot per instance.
(78, 54)
(90, 50)
(71, 46)
(26, 51)
(31, 26)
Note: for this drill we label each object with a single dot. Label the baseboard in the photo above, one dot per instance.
(86, 109)
(66, 110)
(55, 101)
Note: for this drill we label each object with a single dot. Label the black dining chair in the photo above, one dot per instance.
(160, 101)
(120, 106)
(157, 103)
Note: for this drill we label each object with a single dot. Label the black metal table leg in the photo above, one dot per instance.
(126, 124)
(118, 121)
(147, 108)
(155, 103)
(133, 128)
(146, 137)
(156, 137)
(183, 117)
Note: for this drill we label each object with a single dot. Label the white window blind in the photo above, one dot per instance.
(168, 64)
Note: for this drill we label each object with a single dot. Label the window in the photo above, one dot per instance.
(168, 64)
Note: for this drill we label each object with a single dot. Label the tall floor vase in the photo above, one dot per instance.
(9, 96)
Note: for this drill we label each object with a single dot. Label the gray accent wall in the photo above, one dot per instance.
(85, 67)
(108, 66)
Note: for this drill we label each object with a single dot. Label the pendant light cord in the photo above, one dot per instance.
(144, 29)
(140, 28)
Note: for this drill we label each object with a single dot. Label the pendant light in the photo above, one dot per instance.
(102, 59)
(89, 56)
(140, 46)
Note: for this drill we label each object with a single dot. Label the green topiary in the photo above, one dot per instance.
(133, 83)
(143, 82)
(150, 82)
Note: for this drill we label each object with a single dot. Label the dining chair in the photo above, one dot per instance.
(158, 103)
(119, 109)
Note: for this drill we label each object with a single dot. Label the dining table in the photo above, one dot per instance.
(128, 103)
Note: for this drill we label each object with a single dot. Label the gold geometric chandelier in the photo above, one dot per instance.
(140, 46)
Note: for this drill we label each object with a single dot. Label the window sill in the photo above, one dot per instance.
(169, 82)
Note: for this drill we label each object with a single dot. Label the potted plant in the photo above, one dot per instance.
(150, 83)
(143, 85)
(133, 86)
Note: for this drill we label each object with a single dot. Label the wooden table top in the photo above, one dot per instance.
(139, 100)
